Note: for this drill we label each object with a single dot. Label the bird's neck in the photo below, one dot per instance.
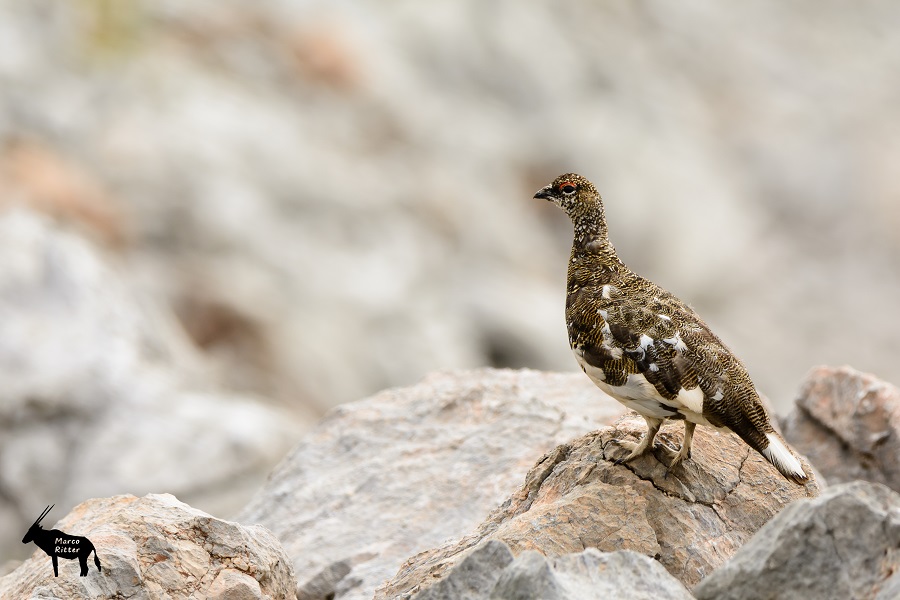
(591, 240)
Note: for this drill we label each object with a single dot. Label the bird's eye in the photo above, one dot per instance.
(567, 188)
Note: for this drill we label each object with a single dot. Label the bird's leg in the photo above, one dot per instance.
(644, 445)
(685, 451)
(664, 443)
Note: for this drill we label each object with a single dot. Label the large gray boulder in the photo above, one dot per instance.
(158, 547)
(843, 545)
(384, 478)
(576, 497)
(491, 572)
(101, 393)
(848, 424)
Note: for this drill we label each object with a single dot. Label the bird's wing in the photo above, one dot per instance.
(669, 344)
(623, 340)
(649, 333)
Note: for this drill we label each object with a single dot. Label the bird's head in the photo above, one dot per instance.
(573, 193)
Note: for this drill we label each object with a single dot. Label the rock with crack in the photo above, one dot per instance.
(158, 547)
(691, 520)
(490, 572)
(843, 545)
(847, 423)
(384, 478)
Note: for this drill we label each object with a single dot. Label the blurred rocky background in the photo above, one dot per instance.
(222, 218)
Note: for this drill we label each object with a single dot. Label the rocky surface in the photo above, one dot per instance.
(847, 423)
(843, 545)
(101, 393)
(384, 478)
(490, 572)
(158, 547)
(691, 521)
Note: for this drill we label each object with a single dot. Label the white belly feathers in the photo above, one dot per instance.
(641, 396)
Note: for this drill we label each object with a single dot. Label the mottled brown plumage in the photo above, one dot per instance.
(647, 348)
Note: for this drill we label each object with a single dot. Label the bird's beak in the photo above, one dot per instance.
(545, 193)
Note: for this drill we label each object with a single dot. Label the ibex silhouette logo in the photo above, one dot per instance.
(58, 544)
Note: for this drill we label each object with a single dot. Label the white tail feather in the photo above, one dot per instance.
(778, 454)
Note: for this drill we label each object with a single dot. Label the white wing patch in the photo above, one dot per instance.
(676, 341)
(692, 399)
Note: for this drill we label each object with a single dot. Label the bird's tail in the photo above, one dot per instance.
(778, 454)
